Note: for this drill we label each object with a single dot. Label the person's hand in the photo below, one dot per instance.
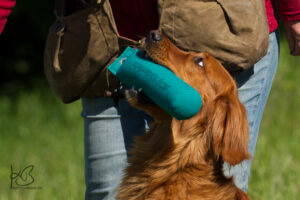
(292, 30)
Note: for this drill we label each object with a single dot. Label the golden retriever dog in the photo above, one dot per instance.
(183, 159)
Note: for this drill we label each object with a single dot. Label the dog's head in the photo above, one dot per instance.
(222, 116)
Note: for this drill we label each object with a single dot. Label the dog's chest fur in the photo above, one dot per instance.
(162, 170)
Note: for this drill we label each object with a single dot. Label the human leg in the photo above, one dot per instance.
(108, 132)
(254, 88)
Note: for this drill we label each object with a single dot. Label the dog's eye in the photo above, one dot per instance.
(199, 61)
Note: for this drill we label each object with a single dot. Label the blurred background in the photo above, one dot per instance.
(37, 129)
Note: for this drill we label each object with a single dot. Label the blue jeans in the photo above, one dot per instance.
(108, 135)
(109, 130)
(254, 89)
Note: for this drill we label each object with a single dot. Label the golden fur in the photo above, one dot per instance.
(183, 159)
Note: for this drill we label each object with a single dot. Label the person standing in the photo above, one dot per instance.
(110, 123)
(255, 84)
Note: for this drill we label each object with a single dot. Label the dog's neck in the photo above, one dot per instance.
(183, 162)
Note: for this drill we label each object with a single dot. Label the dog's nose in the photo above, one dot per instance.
(154, 36)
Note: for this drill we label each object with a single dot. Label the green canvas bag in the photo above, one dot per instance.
(78, 49)
(81, 45)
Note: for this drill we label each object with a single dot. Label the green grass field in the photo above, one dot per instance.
(276, 164)
(36, 129)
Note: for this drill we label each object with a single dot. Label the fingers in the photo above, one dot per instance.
(290, 39)
(292, 30)
(296, 52)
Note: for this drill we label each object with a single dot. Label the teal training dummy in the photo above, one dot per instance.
(160, 84)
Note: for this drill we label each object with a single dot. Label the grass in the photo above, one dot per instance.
(37, 129)
(276, 165)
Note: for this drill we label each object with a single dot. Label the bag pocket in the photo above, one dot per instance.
(77, 51)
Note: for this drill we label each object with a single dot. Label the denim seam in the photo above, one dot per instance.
(257, 105)
(101, 116)
(103, 155)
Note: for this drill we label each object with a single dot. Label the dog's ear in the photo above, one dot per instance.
(229, 129)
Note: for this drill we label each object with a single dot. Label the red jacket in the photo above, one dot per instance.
(289, 10)
(5, 9)
(135, 18)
